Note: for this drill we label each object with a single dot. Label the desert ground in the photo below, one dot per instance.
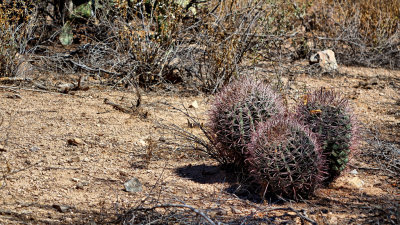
(65, 158)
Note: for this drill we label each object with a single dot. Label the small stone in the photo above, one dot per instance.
(354, 172)
(194, 105)
(221, 212)
(142, 142)
(14, 96)
(2, 148)
(75, 141)
(61, 208)
(34, 149)
(75, 179)
(74, 159)
(65, 88)
(82, 184)
(356, 182)
(85, 159)
(133, 185)
(374, 81)
(235, 210)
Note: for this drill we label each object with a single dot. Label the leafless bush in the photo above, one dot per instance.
(388, 155)
(17, 25)
(161, 42)
(364, 33)
(186, 140)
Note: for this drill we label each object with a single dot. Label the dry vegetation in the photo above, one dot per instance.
(78, 120)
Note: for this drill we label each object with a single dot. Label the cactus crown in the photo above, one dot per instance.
(286, 157)
(328, 115)
(235, 113)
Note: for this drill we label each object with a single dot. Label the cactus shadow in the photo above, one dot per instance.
(205, 174)
(240, 184)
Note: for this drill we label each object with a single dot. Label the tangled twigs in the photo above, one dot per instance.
(134, 109)
(197, 211)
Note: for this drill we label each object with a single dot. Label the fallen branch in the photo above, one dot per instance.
(92, 69)
(119, 107)
(197, 211)
(129, 110)
(11, 79)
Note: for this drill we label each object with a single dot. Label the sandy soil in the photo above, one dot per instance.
(64, 158)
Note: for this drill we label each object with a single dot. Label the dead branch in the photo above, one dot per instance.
(131, 110)
(197, 211)
(12, 79)
(119, 107)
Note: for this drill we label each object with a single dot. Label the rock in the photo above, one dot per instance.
(75, 141)
(13, 96)
(355, 182)
(194, 105)
(82, 184)
(141, 142)
(374, 81)
(235, 210)
(326, 60)
(34, 149)
(354, 172)
(74, 159)
(65, 88)
(133, 185)
(221, 212)
(2, 148)
(61, 208)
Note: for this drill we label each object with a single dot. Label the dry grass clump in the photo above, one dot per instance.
(200, 44)
(16, 26)
(362, 32)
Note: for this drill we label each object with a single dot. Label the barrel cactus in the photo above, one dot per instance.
(329, 116)
(235, 113)
(286, 159)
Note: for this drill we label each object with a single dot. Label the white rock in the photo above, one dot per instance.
(326, 60)
(194, 105)
(355, 182)
(354, 172)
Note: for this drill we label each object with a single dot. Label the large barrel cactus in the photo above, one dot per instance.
(328, 115)
(235, 113)
(286, 159)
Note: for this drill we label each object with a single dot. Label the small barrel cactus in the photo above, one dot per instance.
(235, 113)
(286, 159)
(329, 116)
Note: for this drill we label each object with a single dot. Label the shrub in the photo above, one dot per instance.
(15, 30)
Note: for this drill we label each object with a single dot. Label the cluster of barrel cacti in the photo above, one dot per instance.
(235, 113)
(288, 154)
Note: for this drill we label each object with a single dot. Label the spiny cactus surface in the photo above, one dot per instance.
(235, 113)
(286, 159)
(328, 115)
